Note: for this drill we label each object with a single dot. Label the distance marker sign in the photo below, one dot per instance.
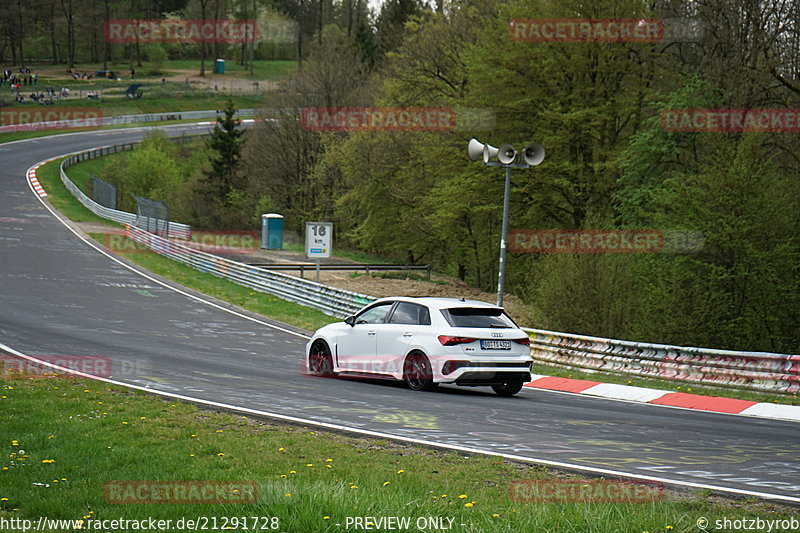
(318, 239)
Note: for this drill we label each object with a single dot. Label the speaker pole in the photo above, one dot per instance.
(501, 277)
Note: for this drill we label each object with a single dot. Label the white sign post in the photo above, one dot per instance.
(319, 236)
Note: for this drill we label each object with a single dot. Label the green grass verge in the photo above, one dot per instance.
(60, 198)
(55, 464)
(257, 302)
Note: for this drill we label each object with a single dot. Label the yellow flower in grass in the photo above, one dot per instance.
(462, 496)
(219, 431)
(386, 483)
(14, 443)
(495, 515)
(5, 468)
(310, 465)
(48, 461)
(469, 504)
(283, 476)
(191, 455)
(288, 494)
(281, 449)
(400, 471)
(328, 466)
(326, 517)
(3, 499)
(221, 454)
(292, 472)
(328, 460)
(142, 418)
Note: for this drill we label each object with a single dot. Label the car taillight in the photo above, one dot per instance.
(524, 341)
(447, 340)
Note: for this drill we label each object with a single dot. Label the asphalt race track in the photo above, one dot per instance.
(59, 296)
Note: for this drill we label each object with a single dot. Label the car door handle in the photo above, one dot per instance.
(371, 332)
(408, 334)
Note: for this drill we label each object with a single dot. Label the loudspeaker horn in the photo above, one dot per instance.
(533, 154)
(489, 152)
(475, 149)
(506, 154)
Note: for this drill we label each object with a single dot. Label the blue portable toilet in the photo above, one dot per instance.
(272, 231)
(219, 66)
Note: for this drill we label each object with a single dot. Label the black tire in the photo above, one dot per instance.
(417, 372)
(320, 361)
(509, 387)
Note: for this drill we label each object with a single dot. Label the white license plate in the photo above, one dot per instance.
(496, 345)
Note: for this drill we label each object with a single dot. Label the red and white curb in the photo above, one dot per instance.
(37, 187)
(683, 400)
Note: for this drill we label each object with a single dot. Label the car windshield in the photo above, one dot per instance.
(477, 317)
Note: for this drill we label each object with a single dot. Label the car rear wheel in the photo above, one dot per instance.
(320, 361)
(509, 387)
(417, 372)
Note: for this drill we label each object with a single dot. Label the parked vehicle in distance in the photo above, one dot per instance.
(424, 342)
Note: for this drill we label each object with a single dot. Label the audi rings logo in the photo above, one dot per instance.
(500, 335)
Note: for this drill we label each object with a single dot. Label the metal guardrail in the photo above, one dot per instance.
(176, 229)
(123, 119)
(303, 267)
(330, 300)
(759, 371)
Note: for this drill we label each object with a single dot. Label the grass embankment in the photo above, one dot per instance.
(301, 316)
(56, 463)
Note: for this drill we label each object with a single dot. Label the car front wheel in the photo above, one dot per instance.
(509, 387)
(320, 361)
(417, 372)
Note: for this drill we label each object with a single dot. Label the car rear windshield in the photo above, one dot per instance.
(477, 317)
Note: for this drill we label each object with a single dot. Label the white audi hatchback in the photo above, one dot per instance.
(425, 342)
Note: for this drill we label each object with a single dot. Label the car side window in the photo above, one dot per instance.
(374, 315)
(408, 313)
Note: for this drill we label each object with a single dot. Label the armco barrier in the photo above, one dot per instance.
(758, 371)
(129, 119)
(329, 300)
(176, 229)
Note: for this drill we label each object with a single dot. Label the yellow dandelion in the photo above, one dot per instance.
(669, 527)
(281, 449)
(219, 431)
(328, 460)
(462, 496)
(3, 499)
(288, 494)
(141, 418)
(353, 486)
(310, 465)
(124, 423)
(191, 455)
(48, 461)
(85, 390)
(99, 403)
(292, 472)
(328, 466)
(221, 454)
(469, 504)
(326, 517)
(495, 515)
(51, 436)
(386, 483)
(400, 471)
(5, 397)
(193, 435)
(5, 468)
(283, 476)
(444, 495)
(14, 443)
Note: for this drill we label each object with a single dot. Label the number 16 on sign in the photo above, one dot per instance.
(318, 241)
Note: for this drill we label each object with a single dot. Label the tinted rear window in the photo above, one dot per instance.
(477, 317)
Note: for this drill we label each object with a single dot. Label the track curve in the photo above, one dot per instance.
(59, 295)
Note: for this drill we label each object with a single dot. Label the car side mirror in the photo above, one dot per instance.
(350, 321)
